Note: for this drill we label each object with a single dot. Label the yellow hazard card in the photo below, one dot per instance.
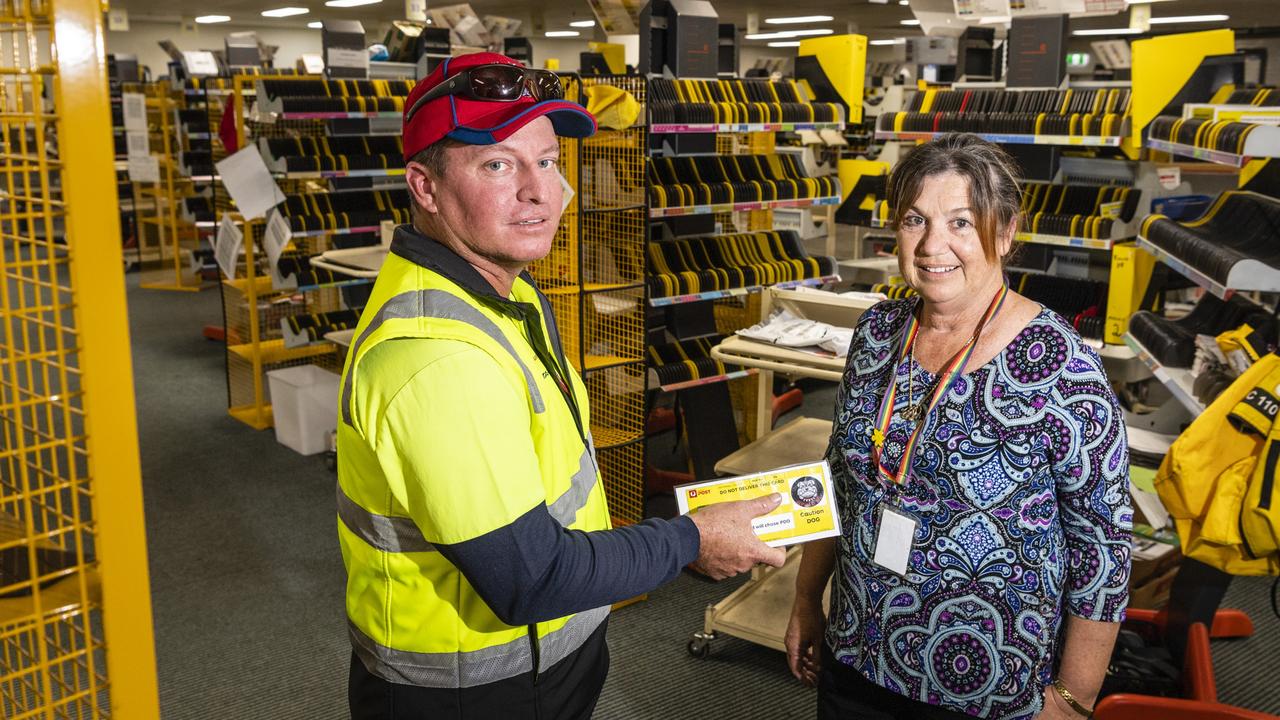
(807, 511)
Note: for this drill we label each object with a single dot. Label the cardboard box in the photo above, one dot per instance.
(1154, 593)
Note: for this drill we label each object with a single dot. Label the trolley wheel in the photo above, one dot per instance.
(699, 647)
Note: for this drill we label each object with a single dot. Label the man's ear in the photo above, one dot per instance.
(422, 187)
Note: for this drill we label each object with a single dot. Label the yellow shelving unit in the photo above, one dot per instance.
(163, 236)
(75, 620)
(594, 280)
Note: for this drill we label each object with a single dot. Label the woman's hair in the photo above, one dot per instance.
(993, 186)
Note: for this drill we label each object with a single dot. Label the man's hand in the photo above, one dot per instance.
(728, 544)
(804, 639)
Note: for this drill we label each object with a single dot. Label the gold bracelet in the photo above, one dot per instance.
(1071, 699)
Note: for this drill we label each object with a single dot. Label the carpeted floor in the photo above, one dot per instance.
(247, 581)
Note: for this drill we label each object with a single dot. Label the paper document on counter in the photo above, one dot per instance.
(807, 512)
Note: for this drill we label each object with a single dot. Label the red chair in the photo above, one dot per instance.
(1198, 683)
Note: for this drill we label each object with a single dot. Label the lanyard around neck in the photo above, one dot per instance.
(950, 373)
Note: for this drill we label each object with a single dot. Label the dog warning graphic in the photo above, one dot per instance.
(807, 511)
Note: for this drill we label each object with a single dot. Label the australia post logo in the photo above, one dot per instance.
(695, 492)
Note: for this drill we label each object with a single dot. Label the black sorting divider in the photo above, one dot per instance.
(1238, 226)
(685, 266)
(1172, 342)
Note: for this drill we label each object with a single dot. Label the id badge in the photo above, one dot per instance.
(894, 537)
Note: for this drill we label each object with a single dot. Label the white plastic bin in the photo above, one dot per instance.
(304, 400)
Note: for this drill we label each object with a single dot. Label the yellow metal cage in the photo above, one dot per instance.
(75, 613)
(595, 280)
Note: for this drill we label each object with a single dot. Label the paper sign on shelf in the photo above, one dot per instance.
(144, 169)
(1031, 8)
(250, 184)
(348, 58)
(1101, 7)
(1170, 177)
(313, 63)
(807, 511)
(199, 62)
(276, 237)
(138, 143)
(227, 248)
(1111, 210)
(134, 106)
(118, 20)
(981, 8)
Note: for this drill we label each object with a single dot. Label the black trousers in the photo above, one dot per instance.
(844, 694)
(567, 690)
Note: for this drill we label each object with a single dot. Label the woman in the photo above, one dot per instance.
(987, 573)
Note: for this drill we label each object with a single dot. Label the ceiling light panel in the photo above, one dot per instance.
(783, 34)
(210, 19)
(350, 3)
(1108, 31)
(561, 33)
(1189, 19)
(799, 19)
(583, 23)
(285, 12)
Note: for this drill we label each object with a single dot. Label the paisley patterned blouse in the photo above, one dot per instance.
(1020, 488)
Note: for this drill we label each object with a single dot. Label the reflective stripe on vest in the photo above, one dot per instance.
(397, 534)
(477, 667)
(434, 304)
(384, 532)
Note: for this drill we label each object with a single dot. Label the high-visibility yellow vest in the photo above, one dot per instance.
(413, 617)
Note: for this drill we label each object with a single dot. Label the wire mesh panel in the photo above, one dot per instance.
(70, 496)
(559, 269)
(594, 277)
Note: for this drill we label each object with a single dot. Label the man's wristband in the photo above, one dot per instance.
(1070, 699)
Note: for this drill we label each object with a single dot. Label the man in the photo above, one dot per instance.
(473, 523)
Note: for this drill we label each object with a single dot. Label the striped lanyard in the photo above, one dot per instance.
(950, 373)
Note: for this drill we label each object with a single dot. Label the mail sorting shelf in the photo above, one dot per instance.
(162, 233)
(1068, 117)
(1179, 381)
(320, 99)
(341, 156)
(1076, 215)
(1231, 247)
(258, 303)
(354, 211)
(707, 267)
(683, 364)
(735, 103)
(1171, 343)
(758, 611)
(718, 180)
(1222, 142)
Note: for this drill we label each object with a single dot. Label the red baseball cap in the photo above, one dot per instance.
(480, 122)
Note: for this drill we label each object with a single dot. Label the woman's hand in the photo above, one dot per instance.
(1055, 708)
(804, 639)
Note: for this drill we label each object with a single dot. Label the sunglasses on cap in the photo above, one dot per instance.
(495, 83)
